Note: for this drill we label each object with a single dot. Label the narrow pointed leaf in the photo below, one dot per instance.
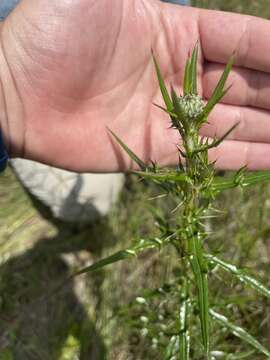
(239, 332)
(216, 142)
(163, 177)
(210, 105)
(221, 183)
(193, 70)
(162, 86)
(187, 88)
(199, 268)
(220, 86)
(255, 178)
(219, 91)
(172, 114)
(241, 275)
(131, 154)
(123, 254)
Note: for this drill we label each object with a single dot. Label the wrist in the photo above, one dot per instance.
(3, 154)
(11, 109)
(4, 133)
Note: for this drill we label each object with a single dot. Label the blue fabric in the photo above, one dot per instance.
(179, 2)
(3, 154)
(6, 6)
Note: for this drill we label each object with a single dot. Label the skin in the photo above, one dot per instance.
(71, 69)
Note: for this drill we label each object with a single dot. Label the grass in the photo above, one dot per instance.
(93, 316)
(91, 313)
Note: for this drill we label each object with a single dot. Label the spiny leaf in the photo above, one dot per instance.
(200, 274)
(220, 183)
(162, 86)
(210, 105)
(187, 89)
(193, 70)
(163, 177)
(216, 142)
(168, 112)
(239, 332)
(241, 275)
(219, 91)
(220, 86)
(121, 255)
(131, 154)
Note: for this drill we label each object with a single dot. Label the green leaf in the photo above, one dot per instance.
(255, 178)
(172, 114)
(120, 255)
(123, 254)
(221, 183)
(131, 154)
(216, 142)
(190, 78)
(184, 337)
(162, 86)
(164, 177)
(187, 89)
(199, 268)
(241, 275)
(209, 107)
(219, 91)
(193, 70)
(239, 332)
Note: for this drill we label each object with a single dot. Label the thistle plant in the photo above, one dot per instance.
(194, 185)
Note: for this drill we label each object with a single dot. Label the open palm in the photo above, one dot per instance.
(71, 69)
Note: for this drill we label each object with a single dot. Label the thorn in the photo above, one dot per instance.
(181, 152)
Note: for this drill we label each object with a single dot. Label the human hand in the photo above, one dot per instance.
(71, 69)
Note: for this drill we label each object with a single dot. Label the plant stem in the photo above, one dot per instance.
(194, 233)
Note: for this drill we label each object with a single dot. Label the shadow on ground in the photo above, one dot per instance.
(37, 322)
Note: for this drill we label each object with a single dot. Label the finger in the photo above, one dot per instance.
(229, 155)
(232, 155)
(249, 87)
(223, 34)
(253, 124)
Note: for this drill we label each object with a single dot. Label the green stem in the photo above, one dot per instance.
(194, 239)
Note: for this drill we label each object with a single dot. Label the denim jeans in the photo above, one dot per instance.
(6, 6)
(179, 2)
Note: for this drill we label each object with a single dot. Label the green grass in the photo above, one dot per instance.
(93, 312)
(95, 316)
